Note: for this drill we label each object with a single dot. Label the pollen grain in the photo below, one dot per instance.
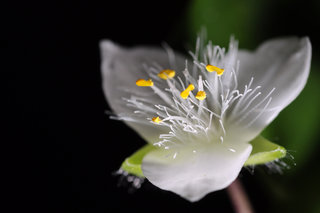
(211, 68)
(156, 119)
(144, 83)
(184, 94)
(201, 95)
(166, 74)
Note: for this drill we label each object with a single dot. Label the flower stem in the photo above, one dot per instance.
(239, 199)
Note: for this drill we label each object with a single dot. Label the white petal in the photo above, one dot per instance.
(193, 172)
(121, 67)
(282, 64)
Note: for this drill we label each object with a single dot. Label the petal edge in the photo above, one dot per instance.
(191, 174)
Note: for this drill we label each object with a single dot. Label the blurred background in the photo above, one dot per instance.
(65, 148)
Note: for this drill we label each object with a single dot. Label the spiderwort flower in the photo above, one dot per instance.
(202, 111)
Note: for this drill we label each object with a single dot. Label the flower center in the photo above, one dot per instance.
(207, 116)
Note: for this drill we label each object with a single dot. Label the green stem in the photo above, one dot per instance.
(239, 198)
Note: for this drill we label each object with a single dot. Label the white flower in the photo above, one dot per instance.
(203, 112)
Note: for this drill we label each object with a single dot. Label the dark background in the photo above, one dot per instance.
(64, 147)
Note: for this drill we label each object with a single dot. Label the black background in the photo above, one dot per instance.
(64, 147)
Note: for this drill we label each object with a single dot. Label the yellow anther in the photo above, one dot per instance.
(201, 95)
(211, 68)
(144, 83)
(190, 87)
(156, 120)
(184, 94)
(165, 74)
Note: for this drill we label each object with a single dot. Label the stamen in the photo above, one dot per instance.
(262, 111)
(144, 83)
(222, 127)
(201, 95)
(202, 115)
(156, 119)
(255, 107)
(167, 74)
(218, 116)
(221, 139)
(211, 68)
(184, 94)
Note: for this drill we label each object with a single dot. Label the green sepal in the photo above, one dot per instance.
(132, 164)
(264, 151)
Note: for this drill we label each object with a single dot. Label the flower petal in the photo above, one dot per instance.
(121, 67)
(193, 172)
(282, 64)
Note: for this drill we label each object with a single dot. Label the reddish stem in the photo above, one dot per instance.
(239, 198)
